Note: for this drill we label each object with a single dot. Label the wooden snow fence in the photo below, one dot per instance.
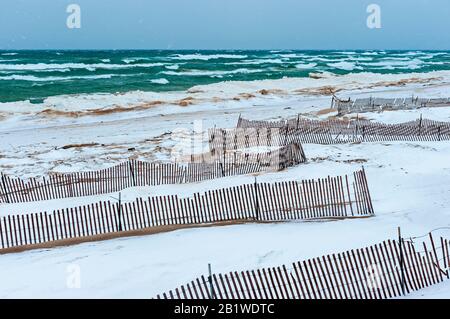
(138, 173)
(374, 104)
(337, 131)
(331, 198)
(381, 271)
(268, 158)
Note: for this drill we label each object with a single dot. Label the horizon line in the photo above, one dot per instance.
(132, 49)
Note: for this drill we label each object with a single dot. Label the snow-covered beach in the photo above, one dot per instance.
(408, 181)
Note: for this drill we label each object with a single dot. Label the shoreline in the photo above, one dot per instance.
(406, 192)
(33, 145)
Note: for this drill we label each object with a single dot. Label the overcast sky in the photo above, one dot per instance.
(225, 24)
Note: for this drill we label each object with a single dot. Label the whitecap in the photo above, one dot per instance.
(359, 58)
(206, 57)
(323, 59)
(305, 66)
(160, 81)
(346, 52)
(412, 53)
(395, 58)
(259, 61)
(292, 55)
(210, 73)
(344, 65)
(32, 78)
(370, 53)
(393, 63)
(90, 67)
(172, 67)
(50, 70)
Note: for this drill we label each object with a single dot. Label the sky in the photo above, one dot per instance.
(225, 24)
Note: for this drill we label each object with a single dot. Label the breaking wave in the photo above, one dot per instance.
(56, 67)
(89, 72)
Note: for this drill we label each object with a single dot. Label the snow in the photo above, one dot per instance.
(408, 181)
(143, 267)
(439, 291)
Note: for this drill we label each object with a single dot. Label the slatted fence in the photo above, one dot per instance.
(222, 140)
(270, 157)
(385, 270)
(331, 197)
(337, 131)
(137, 173)
(373, 104)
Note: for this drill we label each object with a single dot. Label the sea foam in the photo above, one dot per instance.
(206, 57)
(90, 67)
(160, 81)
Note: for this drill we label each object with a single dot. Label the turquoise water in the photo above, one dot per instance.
(35, 75)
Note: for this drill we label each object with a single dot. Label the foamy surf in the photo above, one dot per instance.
(33, 78)
(90, 67)
(243, 92)
(217, 73)
(81, 72)
(206, 57)
(160, 81)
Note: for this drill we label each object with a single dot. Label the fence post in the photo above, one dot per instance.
(438, 265)
(211, 287)
(420, 123)
(4, 187)
(402, 271)
(222, 169)
(224, 144)
(256, 200)
(133, 178)
(120, 211)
